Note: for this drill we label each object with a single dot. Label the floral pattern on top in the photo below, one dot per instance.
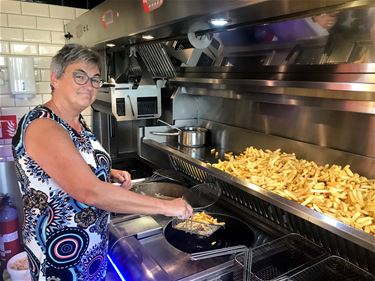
(64, 239)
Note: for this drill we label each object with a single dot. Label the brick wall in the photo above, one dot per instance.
(34, 30)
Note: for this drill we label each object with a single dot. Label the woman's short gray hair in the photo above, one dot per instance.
(72, 53)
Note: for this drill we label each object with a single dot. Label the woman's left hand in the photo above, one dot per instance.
(122, 177)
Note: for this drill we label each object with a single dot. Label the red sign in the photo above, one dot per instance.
(151, 5)
(107, 18)
(8, 126)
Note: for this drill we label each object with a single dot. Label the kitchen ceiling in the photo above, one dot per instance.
(84, 4)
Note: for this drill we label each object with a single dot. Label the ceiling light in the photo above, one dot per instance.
(219, 21)
(110, 45)
(148, 37)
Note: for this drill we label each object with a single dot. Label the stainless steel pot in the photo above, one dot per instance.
(192, 136)
(188, 136)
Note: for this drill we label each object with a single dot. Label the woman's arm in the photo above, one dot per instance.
(50, 146)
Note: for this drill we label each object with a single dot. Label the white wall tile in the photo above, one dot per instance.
(3, 20)
(6, 100)
(49, 24)
(48, 50)
(66, 22)
(43, 87)
(2, 77)
(45, 75)
(10, 7)
(80, 12)
(46, 97)
(23, 48)
(32, 101)
(42, 62)
(62, 12)
(3, 61)
(37, 75)
(35, 9)
(88, 120)
(87, 111)
(21, 21)
(11, 34)
(41, 36)
(18, 111)
(28, 29)
(5, 88)
(4, 47)
(5, 72)
(57, 37)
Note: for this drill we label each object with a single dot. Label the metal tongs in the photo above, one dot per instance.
(218, 252)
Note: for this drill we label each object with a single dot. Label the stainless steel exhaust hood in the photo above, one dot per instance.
(324, 66)
(124, 22)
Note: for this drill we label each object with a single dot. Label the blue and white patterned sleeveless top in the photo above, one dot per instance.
(64, 239)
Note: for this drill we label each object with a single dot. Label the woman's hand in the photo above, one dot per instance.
(122, 177)
(178, 208)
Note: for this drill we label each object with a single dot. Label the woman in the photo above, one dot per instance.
(64, 176)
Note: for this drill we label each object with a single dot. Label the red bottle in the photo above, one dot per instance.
(9, 239)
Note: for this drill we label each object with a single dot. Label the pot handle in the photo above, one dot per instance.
(165, 133)
(165, 123)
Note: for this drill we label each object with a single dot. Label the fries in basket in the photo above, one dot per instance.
(200, 223)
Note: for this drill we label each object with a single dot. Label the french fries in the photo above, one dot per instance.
(200, 223)
(204, 218)
(333, 190)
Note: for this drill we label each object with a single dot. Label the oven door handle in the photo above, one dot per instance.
(131, 105)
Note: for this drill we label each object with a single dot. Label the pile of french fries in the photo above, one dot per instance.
(333, 190)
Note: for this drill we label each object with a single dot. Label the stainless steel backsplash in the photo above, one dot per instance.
(341, 130)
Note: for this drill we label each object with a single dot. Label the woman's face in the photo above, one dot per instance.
(68, 85)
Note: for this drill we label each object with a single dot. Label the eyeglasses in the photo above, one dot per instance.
(81, 78)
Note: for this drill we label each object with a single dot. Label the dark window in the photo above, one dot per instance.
(147, 105)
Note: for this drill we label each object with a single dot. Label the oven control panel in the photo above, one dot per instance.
(143, 102)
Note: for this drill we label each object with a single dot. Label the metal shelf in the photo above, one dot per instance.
(336, 82)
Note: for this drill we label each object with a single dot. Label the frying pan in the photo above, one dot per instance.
(235, 232)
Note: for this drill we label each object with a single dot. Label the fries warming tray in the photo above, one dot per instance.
(331, 234)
